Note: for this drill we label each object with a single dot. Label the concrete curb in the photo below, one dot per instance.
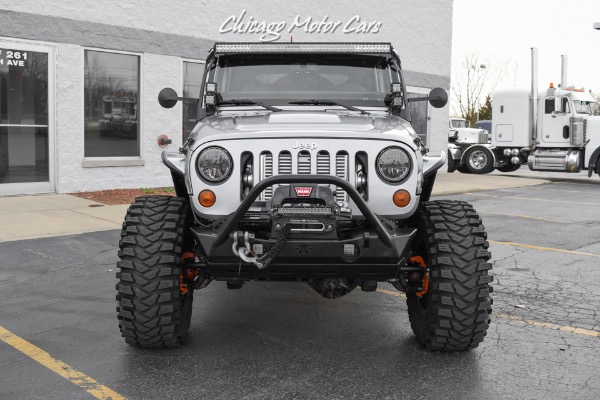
(456, 183)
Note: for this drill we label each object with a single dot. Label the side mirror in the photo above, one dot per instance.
(167, 98)
(438, 97)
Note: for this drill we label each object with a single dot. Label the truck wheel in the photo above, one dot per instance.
(453, 314)
(463, 169)
(152, 310)
(452, 163)
(479, 160)
(509, 168)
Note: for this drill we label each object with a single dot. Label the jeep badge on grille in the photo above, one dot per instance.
(304, 146)
(303, 191)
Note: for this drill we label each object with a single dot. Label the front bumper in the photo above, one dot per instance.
(378, 249)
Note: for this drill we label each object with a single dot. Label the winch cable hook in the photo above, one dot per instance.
(244, 252)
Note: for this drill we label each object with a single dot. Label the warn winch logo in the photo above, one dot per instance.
(303, 191)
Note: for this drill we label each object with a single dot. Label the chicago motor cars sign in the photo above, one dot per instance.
(270, 31)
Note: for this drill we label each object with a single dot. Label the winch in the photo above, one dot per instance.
(307, 210)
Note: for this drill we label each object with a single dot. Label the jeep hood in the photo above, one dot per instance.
(296, 124)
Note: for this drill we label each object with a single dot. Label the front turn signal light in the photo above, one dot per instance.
(401, 198)
(207, 198)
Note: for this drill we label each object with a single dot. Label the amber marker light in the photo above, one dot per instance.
(207, 198)
(401, 198)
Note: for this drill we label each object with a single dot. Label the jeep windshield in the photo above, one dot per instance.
(281, 79)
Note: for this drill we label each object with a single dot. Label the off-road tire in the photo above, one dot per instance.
(152, 312)
(454, 314)
(509, 168)
(479, 160)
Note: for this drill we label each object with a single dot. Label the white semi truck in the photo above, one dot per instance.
(460, 131)
(550, 130)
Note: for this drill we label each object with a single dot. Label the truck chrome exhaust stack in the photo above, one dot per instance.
(563, 71)
(534, 94)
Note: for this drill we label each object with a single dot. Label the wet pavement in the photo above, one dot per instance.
(283, 341)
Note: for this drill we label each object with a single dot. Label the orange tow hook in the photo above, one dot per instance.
(187, 274)
(425, 281)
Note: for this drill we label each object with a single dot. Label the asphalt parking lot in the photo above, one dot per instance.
(283, 341)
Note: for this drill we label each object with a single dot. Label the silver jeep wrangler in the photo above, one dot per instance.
(304, 167)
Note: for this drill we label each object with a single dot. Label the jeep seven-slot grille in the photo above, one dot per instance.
(303, 166)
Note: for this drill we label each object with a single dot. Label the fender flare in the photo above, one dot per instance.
(593, 162)
(455, 150)
(465, 151)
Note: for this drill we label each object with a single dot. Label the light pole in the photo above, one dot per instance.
(477, 69)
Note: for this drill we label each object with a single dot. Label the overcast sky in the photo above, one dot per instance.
(505, 30)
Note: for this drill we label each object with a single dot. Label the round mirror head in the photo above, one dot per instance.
(167, 98)
(438, 97)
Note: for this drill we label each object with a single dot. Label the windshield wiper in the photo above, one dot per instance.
(327, 103)
(247, 103)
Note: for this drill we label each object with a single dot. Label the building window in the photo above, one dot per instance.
(418, 116)
(192, 81)
(112, 83)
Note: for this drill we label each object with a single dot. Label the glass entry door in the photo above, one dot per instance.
(26, 119)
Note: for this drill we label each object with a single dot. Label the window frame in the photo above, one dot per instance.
(194, 61)
(425, 92)
(52, 50)
(115, 161)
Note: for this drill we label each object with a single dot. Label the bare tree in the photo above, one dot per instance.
(474, 79)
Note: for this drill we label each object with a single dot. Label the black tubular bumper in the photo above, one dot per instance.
(380, 247)
(233, 219)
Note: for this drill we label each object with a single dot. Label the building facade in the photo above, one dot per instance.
(79, 79)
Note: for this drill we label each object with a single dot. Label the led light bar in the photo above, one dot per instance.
(303, 48)
(304, 210)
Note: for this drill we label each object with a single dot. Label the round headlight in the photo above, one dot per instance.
(393, 164)
(214, 164)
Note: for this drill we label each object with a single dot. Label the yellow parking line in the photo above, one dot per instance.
(531, 198)
(547, 325)
(576, 183)
(531, 246)
(66, 371)
(522, 216)
(566, 191)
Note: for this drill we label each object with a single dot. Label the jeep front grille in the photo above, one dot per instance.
(304, 162)
(323, 163)
(266, 170)
(341, 171)
(285, 162)
(304, 165)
